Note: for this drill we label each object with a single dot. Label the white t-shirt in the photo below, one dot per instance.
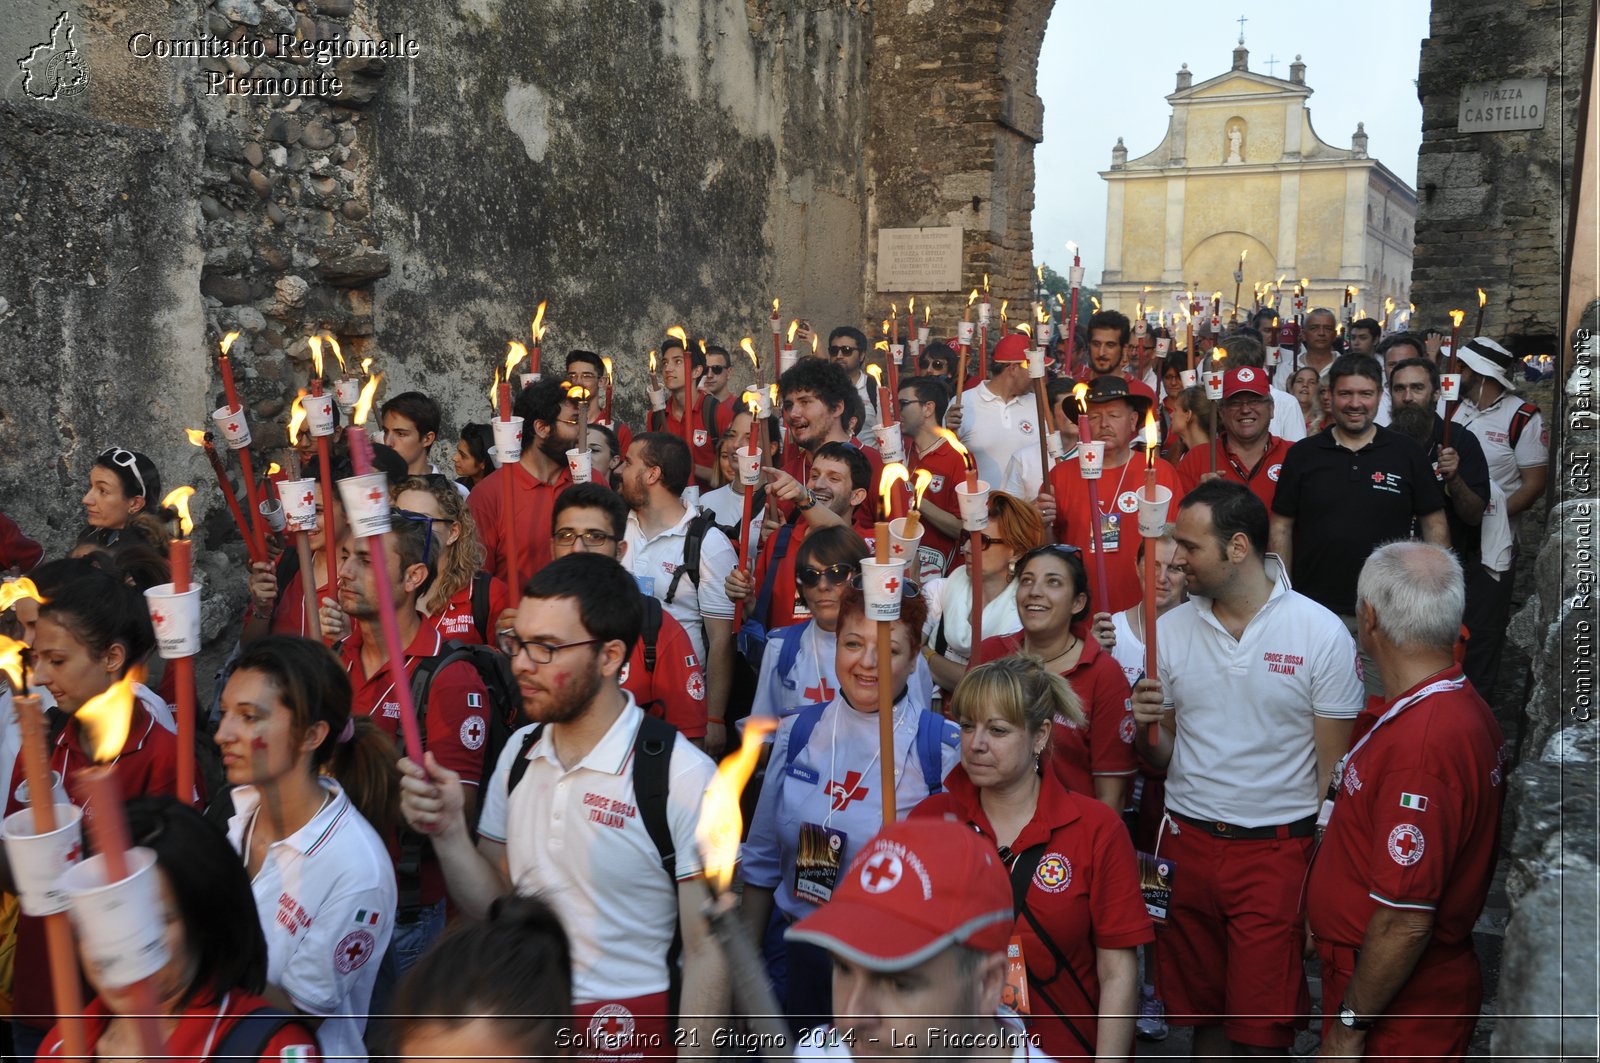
(1245, 752)
(727, 504)
(993, 429)
(950, 600)
(326, 899)
(814, 676)
(1287, 420)
(156, 706)
(1492, 426)
(574, 837)
(653, 561)
(1129, 650)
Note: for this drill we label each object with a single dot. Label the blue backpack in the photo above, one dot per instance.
(933, 733)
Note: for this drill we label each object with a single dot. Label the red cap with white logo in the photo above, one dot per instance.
(1245, 380)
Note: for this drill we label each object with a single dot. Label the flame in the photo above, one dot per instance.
(1040, 272)
(721, 822)
(894, 472)
(794, 326)
(1281, 278)
(605, 360)
(884, 328)
(366, 366)
(1305, 283)
(927, 314)
(772, 390)
(1072, 249)
(274, 468)
(576, 394)
(178, 498)
(13, 591)
(1243, 253)
(1041, 314)
(702, 345)
(1456, 316)
(911, 307)
(955, 445)
(894, 309)
(749, 348)
(652, 363)
(1095, 303)
(537, 328)
(1079, 390)
(919, 487)
(986, 285)
(1388, 306)
(227, 341)
(515, 353)
(315, 343)
(1216, 297)
(876, 374)
(1003, 304)
(973, 297)
(677, 333)
(1061, 301)
(297, 417)
(494, 390)
(11, 662)
(107, 716)
(881, 345)
(364, 404)
(1152, 435)
(196, 437)
(337, 352)
(774, 307)
(1026, 329)
(752, 400)
(813, 343)
(1482, 298)
(1219, 354)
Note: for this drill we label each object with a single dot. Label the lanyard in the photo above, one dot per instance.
(1442, 685)
(1104, 512)
(1251, 474)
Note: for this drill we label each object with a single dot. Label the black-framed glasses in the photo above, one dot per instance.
(591, 537)
(127, 459)
(841, 349)
(909, 588)
(991, 540)
(910, 402)
(836, 575)
(716, 369)
(538, 652)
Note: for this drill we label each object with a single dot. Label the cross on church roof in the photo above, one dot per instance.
(1272, 61)
(1242, 21)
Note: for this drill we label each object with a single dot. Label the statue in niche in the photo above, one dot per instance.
(1235, 141)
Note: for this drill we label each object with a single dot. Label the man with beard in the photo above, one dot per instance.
(1348, 489)
(815, 396)
(549, 430)
(1248, 453)
(847, 349)
(564, 817)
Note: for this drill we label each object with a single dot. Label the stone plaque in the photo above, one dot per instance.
(1497, 106)
(919, 260)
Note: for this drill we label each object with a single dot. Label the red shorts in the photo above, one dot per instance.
(614, 1031)
(1231, 951)
(1431, 1018)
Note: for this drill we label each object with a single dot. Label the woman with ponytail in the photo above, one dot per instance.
(310, 784)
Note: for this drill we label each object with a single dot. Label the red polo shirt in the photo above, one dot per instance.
(676, 690)
(201, 1029)
(705, 443)
(787, 607)
(948, 470)
(1261, 479)
(1085, 894)
(455, 620)
(148, 764)
(1118, 495)
(1104, 745)
(533, 500)
(289, 611)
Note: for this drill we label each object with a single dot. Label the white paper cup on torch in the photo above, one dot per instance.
(891, 442)
(658, 398)
(580, 463)
(787, 357)
(985, 310)
(121, 940)
(1214, 386)
(1091, 459)
(1163, 346)
(272, 512)
(366, 503)
(1188, 377)
(347, 392)
(881, 589)
(176, 618)
(1075, 276)
(897, 353)
(1153, 511)
(1141, 327)
(749, 466)
(1450, 386)
(527, 380)
(299, 498)
(319, 414)
(234, 426)
(39, 860)
(763, 401)
(1057, 450)
(924, 333)
(901, 548)
(973, 505)
(964, 333)
(1036, 359)
(507, 439)
(1273, 357)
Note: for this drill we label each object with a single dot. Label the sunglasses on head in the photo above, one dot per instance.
(126, 459)
(836, 575)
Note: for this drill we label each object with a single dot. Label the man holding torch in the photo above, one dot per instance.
(1250, 453)
(998, 417)
(550, 426)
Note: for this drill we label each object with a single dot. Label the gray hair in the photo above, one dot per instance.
(1417, 592)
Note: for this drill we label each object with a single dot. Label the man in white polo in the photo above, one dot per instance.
(998, 417)
(1256, 697)
(572, 828)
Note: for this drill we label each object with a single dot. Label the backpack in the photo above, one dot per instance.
(694, 538)
(753, 634)
(480, 606)
(249, 1037)
(933, 732)
(1519, 421)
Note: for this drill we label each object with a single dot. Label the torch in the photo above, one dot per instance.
(749, 461)
(611, 386)
(536, 331)
(366, 499)
(41, 849)
(983, 327)
(1190, 308)
(236, 431)
(204, 440)
(1091, 462)
(508, 448)
(777, 340)
(319, 415)
(1451, 381)
(890, 441)
(913, 346)
(1238, 283)
(880, 587)
(964, 342)
(786, 357)
(175, 614)
(1041, 404)
(1075, 279)
(1214, 393)
(972, 499)
(1152, 521)
(300, 512)
(1483, 298)
(580, 463)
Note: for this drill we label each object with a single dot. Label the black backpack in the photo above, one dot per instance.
(694, 539)
(480, 607)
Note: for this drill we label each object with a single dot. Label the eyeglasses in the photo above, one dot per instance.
(590, 537)
(716, 369)
(910, 402)
(1235, 401)
(836, 575)
(538, 652)
(992, 540)
(126, 459)
(841, 350)
(909, 588)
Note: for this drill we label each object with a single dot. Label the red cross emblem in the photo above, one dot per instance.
(308, 499)
(898, 548)
(882, 873)
(847, 791)
(157, 619)
(75, 853)
(612, 1026)
(233, 426)
(375, 496)
(892, 584)
(821, 692)
(1406, 844)
(353, 951)
(1377, 477)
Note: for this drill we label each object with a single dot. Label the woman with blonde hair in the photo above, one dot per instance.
(1075, 879)
(1014, 529)
(464, 601)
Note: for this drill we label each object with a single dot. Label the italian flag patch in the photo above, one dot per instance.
(1416, 801)
(366, 917)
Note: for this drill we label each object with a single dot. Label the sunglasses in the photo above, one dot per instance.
(841, 350)
(126, 459)
(909, 588)
(427, 522)
(718, 369)
(836, 575)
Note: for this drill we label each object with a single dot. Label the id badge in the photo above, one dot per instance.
(1110, 531)
(647, 585)
(1015, 994)
(1155, 882)
(816, 862)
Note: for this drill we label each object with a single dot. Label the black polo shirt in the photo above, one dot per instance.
(1471, 475)
(1347, 503)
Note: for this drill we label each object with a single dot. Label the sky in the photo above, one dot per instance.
(1361, 63)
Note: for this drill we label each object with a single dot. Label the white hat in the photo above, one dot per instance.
(1485, 356)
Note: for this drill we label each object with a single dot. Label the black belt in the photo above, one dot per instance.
(1300, 828)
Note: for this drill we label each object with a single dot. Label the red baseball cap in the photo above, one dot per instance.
(1012, 348)
(918, 887)
(1288, 334)
(1245, 380)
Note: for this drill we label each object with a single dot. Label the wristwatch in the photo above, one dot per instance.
(807, 502)
(1350, 1021)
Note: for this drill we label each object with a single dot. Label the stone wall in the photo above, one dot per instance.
(1492, 209)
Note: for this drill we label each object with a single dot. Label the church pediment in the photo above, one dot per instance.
(1238, 83)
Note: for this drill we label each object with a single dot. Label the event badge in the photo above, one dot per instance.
(1110, 531)
(1155, 882)
(647, 585)
(1015, 994)
(816, 862)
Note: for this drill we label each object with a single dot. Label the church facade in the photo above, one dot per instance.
(1242, 170)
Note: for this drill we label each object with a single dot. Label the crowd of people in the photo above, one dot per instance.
(1081, 854)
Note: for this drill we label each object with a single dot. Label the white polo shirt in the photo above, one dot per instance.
(326, 899)
(1245, 752)
(994, 429)
(654, 559)
(575, 838)
(1492, 426)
